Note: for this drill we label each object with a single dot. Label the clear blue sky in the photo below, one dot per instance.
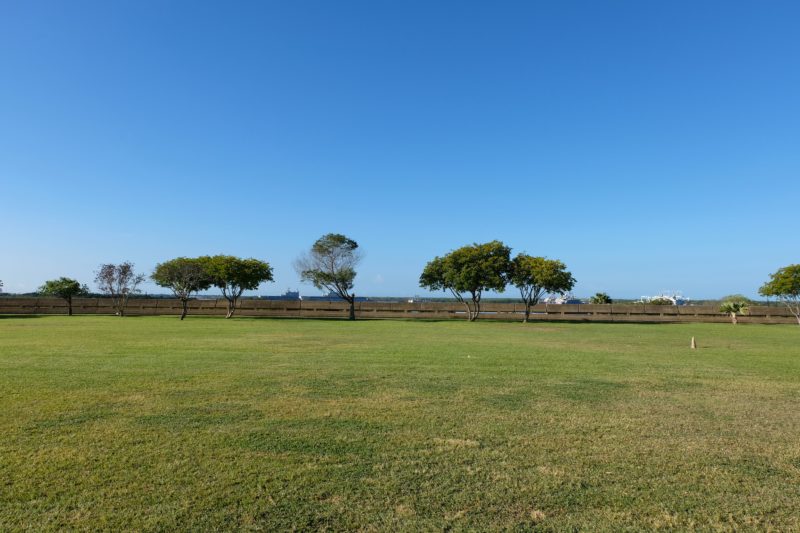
(649, 145)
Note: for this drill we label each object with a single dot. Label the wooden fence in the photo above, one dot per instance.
(431, 310)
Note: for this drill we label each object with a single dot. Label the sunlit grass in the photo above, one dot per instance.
(152, 423)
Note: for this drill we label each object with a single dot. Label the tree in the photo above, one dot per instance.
(734, 305)
(331, 265)
(184, 276)
(735, 297)
(660, 300)
(65, 288)
(601, 298)
(785, 285)
(118, 282)
(535, 276)
(234, 275)
(471, 269)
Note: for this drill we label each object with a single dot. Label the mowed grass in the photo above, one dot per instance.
(156, 424)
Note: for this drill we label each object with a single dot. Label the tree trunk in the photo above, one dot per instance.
(352, 301)
(231, 308)
(476, 311)
(184, 310)
(69, 306)
(469, 310)
(527, 312)
(733, 319)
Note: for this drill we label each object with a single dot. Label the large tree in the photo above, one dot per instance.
(331, 265)
(469, 271)
(537, 276)
(184, 276)
(785, 286)
(118, 282)
(65, 288)
(234, 275)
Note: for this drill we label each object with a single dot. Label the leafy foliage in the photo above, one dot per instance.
(184, 276)
(785, 285)
(536, 276)
(118, 282)
(234, 275)
(471, 269)
(735, 298)
(660, 301)
(601, 298)
(66, 288)
(734, 306)
(331, 265)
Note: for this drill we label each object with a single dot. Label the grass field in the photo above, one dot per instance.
(156, 424)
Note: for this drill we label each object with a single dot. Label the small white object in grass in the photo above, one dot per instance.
(694, 344)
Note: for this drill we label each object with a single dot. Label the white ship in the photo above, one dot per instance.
(559, 299)
(676, 298)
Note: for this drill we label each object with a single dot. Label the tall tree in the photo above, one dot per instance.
(536, 276)
(65, 288)
(118, 282)
(184, 276)
(234, 275)
(331, 265)
(469, 270)
(785, 285)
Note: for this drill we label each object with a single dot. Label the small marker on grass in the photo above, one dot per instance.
(694, 344)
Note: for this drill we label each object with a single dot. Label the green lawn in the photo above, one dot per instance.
(156, 424)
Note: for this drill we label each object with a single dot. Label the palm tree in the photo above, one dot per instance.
(601, 298)
(733, 308)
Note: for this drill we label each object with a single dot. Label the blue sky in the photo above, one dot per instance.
(649, 145)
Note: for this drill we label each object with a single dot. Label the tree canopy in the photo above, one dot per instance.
(469, 270)
(184, 276)
(331, 265)
(234, 275)
(536, 276)
(785, 286)
(119, 282)
(660, 300)
(66, 288)
(735, 298)
(601, 298)
(734, 305)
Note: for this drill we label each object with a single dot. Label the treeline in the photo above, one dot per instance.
(331, 264)
(469, 271)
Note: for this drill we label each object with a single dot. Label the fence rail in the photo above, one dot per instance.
(431, 310)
